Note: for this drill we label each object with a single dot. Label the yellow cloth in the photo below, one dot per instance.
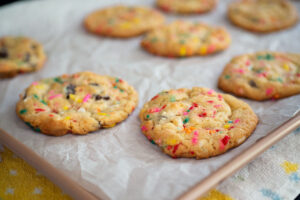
(18, 180)
(216, 195)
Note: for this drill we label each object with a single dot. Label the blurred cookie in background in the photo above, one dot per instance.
(263, 15)
(262, 75)
(20, 55)
(123, 21)
(184, 39)
(187, 6)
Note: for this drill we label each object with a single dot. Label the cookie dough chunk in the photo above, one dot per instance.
(196, 122)
(182, 39)
(77, 104)
(263, 15)
(186, 6)
(262, 75)
(19, 55)
(123, 21)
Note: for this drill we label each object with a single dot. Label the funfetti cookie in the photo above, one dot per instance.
(263, 15)
(20, 55)
(123, 21)
(196, 122)
(183, 39)
(79, 103)
(187, 6)
(262, 75)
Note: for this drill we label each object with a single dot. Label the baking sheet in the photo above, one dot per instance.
(120, 161)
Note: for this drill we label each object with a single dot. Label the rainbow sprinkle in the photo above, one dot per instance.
(269, 91)
(224, 141)
(86, 98)
(144, 128)
(58, 80)
(54, 96)
(172, 99)
(237, 121)
(23, 111)
(195, 138)
(186, 120)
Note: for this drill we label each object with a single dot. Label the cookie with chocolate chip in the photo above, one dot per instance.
(123, 21)
(262, 75)
(20, 55)
(183, 39)
(186, 6)
(196, 123)
(263, 15)
(79, 103)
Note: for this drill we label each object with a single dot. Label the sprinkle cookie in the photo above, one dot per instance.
(186, 6)
(196, 122)
(183, 39)
(77, 104)
(123, 21)
(262, 75)
(263, 15)
(19, 55)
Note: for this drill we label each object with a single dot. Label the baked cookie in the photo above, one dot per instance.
(186, 6)
(78, 103)
(262, 75)
(263, 15)
(123, 21)
(196, 122)
(182, 39)
(19, 55)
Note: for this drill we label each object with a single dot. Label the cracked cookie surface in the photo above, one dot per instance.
(182, 39)
(123, 21)
(79, 103)
(262, 75)
(186, 6)
(196, 122)
(263, 15)
(19, 55)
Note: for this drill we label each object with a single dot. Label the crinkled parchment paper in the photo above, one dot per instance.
(120, 161)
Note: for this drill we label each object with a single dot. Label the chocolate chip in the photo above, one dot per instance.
(100, 125)
(70, 90)
(106, 98)
(33, 46)
(94, 84)
(25, 95)
(98, 97)
(252, 84)
(27, 57)
(3, 53)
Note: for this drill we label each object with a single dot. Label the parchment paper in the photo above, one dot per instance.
(120, 161)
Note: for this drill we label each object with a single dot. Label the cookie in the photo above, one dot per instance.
(262, 75)
(186, 6)
(263, 15)
(183, 39)
(20, 55)
(77, 104)
(123, 21)
(196, 122)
